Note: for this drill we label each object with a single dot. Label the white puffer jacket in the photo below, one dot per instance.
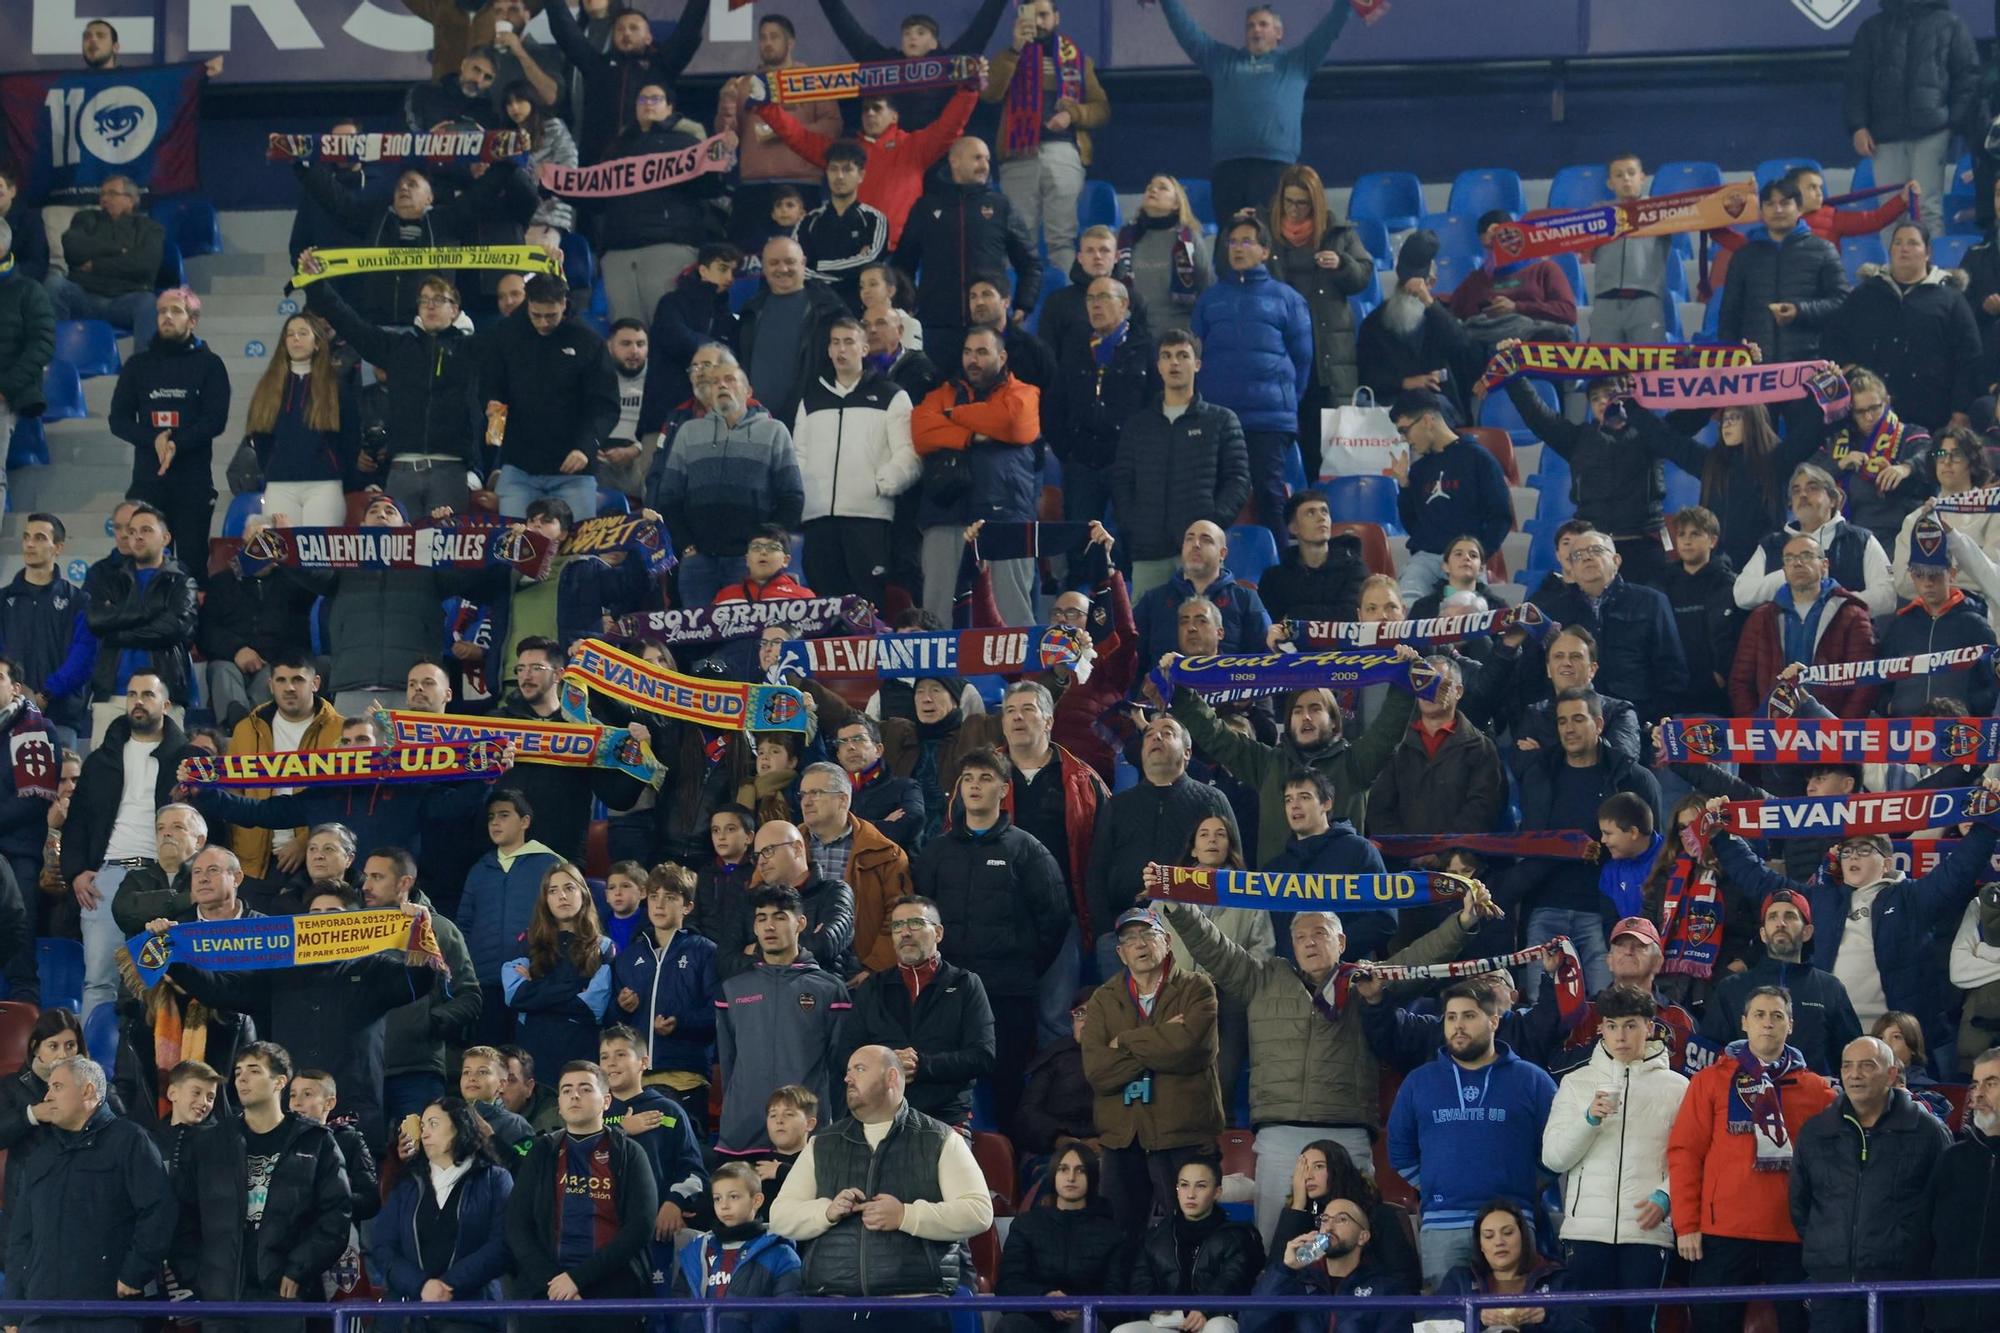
(1610, 1168)
(854, 449)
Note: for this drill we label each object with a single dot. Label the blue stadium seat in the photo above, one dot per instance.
(173, 269)
(63, 388)
(1364, 301)
(100, 1035)
(1457, 233)
(189, 221)
(1452, 269)
(1858, 250)
(1098, 206)
(1948, 251)
(1295, 468)
(990, 689)
(1673, 177)
(1364, 500)
(1772, 168)
(612, 502)
(1485, 188)
(1864, 179)
(1683, 490)
(1375, 240)
(746, 286)
(1053, 281)
(1393, 198)
(91, 345)
(1201, 198)
(1677, 278)
(1252, 550)
(1572, 268)
(29, 445)
(1123, 776)
(1711, 320)
(60, 965)
(1579, 186)
(1498, 410)
(242, 508)
(597, 311)
(580, 262)
(1960, 207)
(1675, 333)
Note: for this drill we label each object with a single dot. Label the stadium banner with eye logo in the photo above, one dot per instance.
(71, 131)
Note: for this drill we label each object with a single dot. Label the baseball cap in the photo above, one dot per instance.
(1139, 916)
(1639, 926)
(1776, 896)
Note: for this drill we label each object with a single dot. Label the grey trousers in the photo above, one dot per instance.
(1926, 161)
(1013, 580)
(1641, 319)
(228, 687)
(635, 280)
(1044, 190)
(419, 488)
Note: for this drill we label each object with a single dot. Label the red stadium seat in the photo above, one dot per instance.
(1239, 1153)
(17, 1020)
(597, 850)
(1374, 546)
(1501, 445)
(995, 1155)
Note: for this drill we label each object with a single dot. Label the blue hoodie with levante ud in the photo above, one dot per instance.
(1464, 1136)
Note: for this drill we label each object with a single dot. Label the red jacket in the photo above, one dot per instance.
(1543, 293)
(782, 587)
(897, 161)
(1710, 1172)
(1760, 656)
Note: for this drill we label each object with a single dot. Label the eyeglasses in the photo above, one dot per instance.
(765, 853)
(652, 99)
(1578, 552)
(766, 548)
(1079, 614)
(435, 302)
(1958, 454)
(909, 924)
(1801, 561)
(859, 738)
(532, 669)
(1868, 409)
(1102, 298)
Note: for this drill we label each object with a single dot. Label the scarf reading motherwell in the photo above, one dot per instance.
(1569, 361)
(263, 943)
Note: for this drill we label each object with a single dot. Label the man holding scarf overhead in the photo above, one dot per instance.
(1051, 100)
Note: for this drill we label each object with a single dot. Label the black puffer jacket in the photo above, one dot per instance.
(1050, 1249)
(1965, 1227)
(382, 621)
(1227, 1258)
(950, 1026)
(1861, 1198)
(1921, 339)
(956, 231)
(1000, 896)
(1913, 70)
(94, 808)
(1291, 591)
(306, 1210)
(434, 404)
(1167, 474)
(1803, 270)
(1336, 367)
(27, 342)
(1093, 403)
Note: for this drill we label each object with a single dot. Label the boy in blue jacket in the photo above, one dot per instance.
(739, 1258)
(1467, 1128)
(656, 1123)
(665, 979)
(1625, 828)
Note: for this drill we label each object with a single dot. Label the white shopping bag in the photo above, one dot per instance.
(1358, 440)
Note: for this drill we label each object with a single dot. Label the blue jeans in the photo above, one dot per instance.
(101, 941)
(1585, 931)
(1268, 492)
(703, 576)
(408, 1094)
(133, 311)
(518, 489)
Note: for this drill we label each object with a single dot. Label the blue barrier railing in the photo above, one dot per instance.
(343, 1315)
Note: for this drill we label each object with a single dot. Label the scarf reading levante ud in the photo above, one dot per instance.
(1862, 812)
(1569, 361)
(345, 767)
(1874, 740)
(965, 652)
(1277, 891)
(263, 943)
(717, 704)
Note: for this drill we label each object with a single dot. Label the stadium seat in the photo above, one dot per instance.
(1454, 269)
(173, 269)
(1864, 179)
(1053, 281)
(1098, 206)
(1579, 186)
(1252, 550)
(190, 221)
(1683, 490)
(17, 1023)
(1858, 250)
(1711, 320)
(1960, 208)
(995, 1155)
(597, 311)
(242, 508)
(1375, 240)
(1501, 446)
(1457, 233)
(1948, 251)
(29, 444)
(1498, 410)
(1295, 468)
(746, 286)
(612, 502)
(1393, 198)
(1201, 198)
(1674, 177)
(1363, 500)
(63, 388)
(1483, 189)
(1364, 301)
(91, 345)
(1772, 168)
(60, 965)
(100, 1035)
(580, 262)
(1374, 546)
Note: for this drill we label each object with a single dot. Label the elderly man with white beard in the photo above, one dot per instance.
(1965, 1187)
(1411, 340)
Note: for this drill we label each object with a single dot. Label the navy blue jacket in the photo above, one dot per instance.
(1638, 641)
(1549, 1277)
(1314, 1281)
(47, 632)
(1569, 885)
(293, 451)
(1459, 489)
(1463, 1136)
(678, 1169)
(767, 1266)
(1338, 851)
(1244, 619)
(1913, 630)
(1912, 922)
(1257, 348)
(479, 1252)
(681, 986)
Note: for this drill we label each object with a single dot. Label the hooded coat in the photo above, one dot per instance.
(1610, 1167)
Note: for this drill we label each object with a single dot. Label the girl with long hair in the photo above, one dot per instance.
(1323, 259)
(562, 986)
(305, 428)
(1959, 463)
(1879, 458)
(549, 140)
(1164, 256)
(1068, 1244)
(1324, 1172)
(1745, 474)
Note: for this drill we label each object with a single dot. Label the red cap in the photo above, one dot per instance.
(1640, 926)
(1797, 900)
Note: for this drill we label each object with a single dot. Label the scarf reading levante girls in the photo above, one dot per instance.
(1021, 123)
(1229, 677)
(1569, 361)
(717, 704)
(1833, 740)
(1862, 812)
(1436, 629)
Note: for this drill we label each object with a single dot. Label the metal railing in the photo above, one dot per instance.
(344, 1315)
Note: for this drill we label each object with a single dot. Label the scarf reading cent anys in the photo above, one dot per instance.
(1756, 1105)
(1021, 128)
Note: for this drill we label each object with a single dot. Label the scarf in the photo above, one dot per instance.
(1850, 816)
(642, 174)
(267, 942)
(1297, 233)
(1279, 891)
(1897, 668)
(637, 683)
(574, 744)
(1021, 121)
(741, 620)
(346, 767)
(866, 78)
(1230, 677)
(443, 146)
(1132, 992)
(1822, 381)
(6, 267)
(939, 653)
(1586, 228)
(1980, 500)
(1104, 347)
(1568, 361)
(1756, 1106)
(346, 261)
(1693, 910)
(1879, 450)
(1434, 630)
(1331, 998)
(1800, 633)
(178, 1022)
(1181, 282)
(1031, 541)
(1833, 740)
(32, 749)
(454, 546)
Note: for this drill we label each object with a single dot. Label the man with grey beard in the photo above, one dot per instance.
(1411, 340)
(1965, 1189)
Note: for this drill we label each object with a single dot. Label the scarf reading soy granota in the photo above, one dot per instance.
(263, 943)
(636, 175)
(1021, 122)
(576, 743)
(1551, 845)
(1832, 740)
(716, 704)
(1436, 629)
(1756, 1103)
(1277, 891)
(741, 620)
(1571, 1001)
(346, 261)
(1862, 812)
(461, 546)
(1230, 677)
(433, 146)
(865, 78)
(1568, 361)
(1578, 229)
(345, 767)
(1712, 387)
(966, 652)
(1693, 911)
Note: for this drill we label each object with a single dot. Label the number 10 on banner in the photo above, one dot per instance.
(65, 109)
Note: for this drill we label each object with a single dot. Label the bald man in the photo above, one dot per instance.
(782, 334)
(909, 1236)
(956, 232)
(1202, 572)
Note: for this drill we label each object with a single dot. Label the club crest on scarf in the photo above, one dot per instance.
(1930, 542)
(1704, 738)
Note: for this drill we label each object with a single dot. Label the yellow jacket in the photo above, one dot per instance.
(253, 736)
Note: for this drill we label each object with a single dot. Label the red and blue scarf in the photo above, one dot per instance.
(1021, 122)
